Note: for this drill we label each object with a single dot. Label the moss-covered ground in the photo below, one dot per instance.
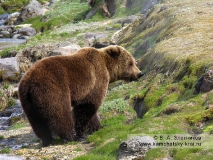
(179, 35)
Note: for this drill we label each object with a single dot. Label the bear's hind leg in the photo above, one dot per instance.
(45, 135)
(41, 130)
(82, 115)
(61, 122)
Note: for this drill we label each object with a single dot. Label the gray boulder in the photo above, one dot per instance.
(4, 34)
(135, 148)
(33, 9)
(93, 38)
(12, 18)
(17, 32)
(205, 83)
(9, 69)
(65, 50)
(28, 56)
(148, 5)
(27, 31)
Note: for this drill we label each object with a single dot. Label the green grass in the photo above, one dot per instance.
(118, 104)
(11, 102)
(5, 151)
(172, 70)
(62, 13)
(11, 6)
(158, 96)
(1, 137)
(19, 125)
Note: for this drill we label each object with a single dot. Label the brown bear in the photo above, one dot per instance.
(53, 85)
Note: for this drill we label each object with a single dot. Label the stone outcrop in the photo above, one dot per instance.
(7, 92)
(148, 5)
(205, 83)
(17, 32)
(9, 69)
(126, 30)
(12, 18)
(33, 9)
(65, 50)
(135, 148)
(97, 40)
(30, 55)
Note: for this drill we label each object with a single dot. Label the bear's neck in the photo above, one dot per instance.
(112, 68)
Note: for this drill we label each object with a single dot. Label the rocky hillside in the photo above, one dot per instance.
(172, 42)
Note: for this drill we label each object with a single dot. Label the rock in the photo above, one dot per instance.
(16, 36)
(5, 34)
(9, 69)
(140, 107)
(129, 19)
(129, 4)
(6, 92)
(33, 9)
(135, 148)
(12, 111)
(110, 8)
(11, 115)
(3, 103)
(27, 31)
(92, 12)
(3, 18)
(100, 44)
(28, 56)
(148, 5)
(66, 50)
(126, 30)
(205, 83)
(2, 22)
(17, 32)
(91, 3)
(10, 157)
(12, 18)
(23, 25)
(93, 38)
(166, 158)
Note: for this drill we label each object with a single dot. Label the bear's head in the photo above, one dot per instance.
(122, 64)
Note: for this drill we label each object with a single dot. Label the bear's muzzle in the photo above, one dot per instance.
(140, 74)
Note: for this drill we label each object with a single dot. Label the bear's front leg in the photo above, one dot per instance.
(83, 113)
(94, 124)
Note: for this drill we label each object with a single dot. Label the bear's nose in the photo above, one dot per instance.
(140, 74)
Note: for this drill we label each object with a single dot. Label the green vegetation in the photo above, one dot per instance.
(5, 151)
(11, 101)
(62, 13)
(167, 91)
(18, 125)
(1, 137)
(118, 104)
(173, 48)
(9, 6)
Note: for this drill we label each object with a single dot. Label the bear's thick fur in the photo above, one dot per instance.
(52, 85)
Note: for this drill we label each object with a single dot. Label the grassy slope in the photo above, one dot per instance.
(180, 45)
(180, 39)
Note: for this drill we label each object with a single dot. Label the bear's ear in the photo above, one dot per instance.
(113, 51)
